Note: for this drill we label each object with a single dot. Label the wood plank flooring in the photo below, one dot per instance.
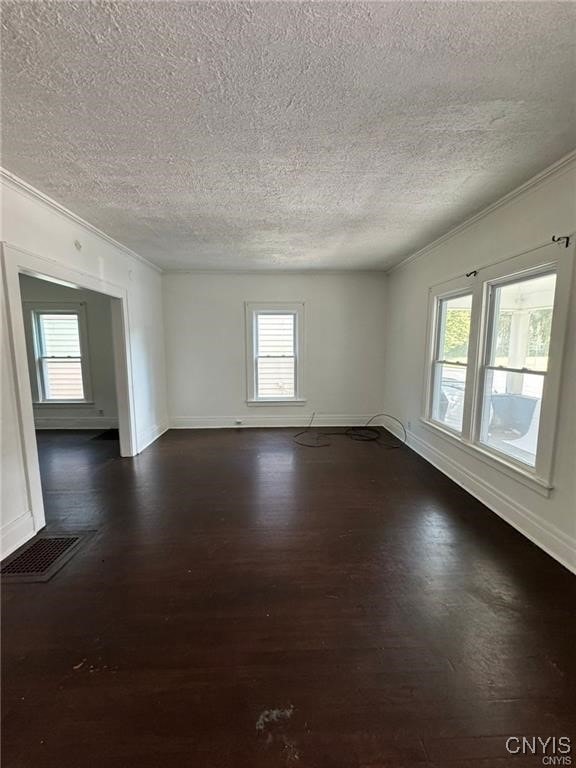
(250, 603)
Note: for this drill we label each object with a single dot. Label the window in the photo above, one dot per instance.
(516, 365)
(451, 360)
(59, 343)
(494, 360)
(274, 344)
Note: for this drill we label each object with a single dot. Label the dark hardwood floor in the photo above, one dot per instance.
(247, 602)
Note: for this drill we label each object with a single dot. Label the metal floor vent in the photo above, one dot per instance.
(41, 558)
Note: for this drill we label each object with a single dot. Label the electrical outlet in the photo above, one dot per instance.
(409, 424)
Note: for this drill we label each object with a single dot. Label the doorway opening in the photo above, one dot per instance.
(70, 351)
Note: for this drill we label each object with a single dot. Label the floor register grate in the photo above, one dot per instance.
(41, 558)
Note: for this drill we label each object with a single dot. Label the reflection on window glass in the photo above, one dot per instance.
(522, 323)
(511, 413)
(448, 400)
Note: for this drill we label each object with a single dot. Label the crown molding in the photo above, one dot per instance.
(278, 272)
(27, 189)
(554, 170)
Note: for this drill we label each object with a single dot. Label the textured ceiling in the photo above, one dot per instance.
(284, 135)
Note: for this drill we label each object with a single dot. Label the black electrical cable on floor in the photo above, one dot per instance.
(368, 433)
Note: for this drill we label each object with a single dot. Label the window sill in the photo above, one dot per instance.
(540, 485)
(292, 401)
(62, 403)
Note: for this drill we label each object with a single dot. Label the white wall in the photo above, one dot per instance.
(527, 220)
(41, 228)
(102, 412)
(206, 353)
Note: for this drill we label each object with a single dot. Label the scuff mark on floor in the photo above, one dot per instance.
(290, 751)
(272, 722)
(269, 716)
(94, 667)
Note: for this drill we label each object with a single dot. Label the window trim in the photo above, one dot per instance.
(31, 319)
(251, 310)
(544, 260)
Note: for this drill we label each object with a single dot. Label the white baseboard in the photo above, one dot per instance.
(548, 537)
(262, 420)
(16, 533)
(75, 422)
(151, 436)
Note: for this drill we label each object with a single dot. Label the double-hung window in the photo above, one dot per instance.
(516, 364)
(495, 354)
(451, 360)
(58, 344)
(274, 347)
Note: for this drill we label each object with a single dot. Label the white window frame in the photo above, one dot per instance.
(32, 312)
(553, 258)
(252, 310)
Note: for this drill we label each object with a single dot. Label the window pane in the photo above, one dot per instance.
(454, 329)
(275, 334)
(63, 380)
(275, 377)
(448, 395)
(60, 335)
(522, 322)
(511, 413)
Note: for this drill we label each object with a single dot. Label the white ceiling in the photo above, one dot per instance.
(223, 135)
